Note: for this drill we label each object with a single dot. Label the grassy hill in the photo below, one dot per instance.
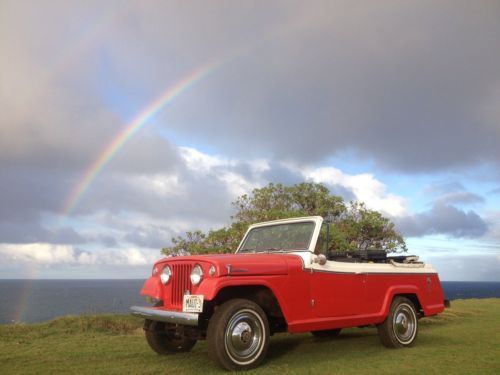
(465, 339)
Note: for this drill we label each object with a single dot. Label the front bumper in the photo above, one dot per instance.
(160, 315)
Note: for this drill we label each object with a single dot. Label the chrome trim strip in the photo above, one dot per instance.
(174, 317)
(369, 273)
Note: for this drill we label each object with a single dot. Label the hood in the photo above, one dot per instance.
(239, 264)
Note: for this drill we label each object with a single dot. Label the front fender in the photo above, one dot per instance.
(152, 287)
(210, 288)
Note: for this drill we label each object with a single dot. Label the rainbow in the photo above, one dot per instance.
(22, 301)
(141, 119)
(24, 295)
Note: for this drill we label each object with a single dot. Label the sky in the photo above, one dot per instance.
(126, 123)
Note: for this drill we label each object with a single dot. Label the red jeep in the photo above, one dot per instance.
(282, 278)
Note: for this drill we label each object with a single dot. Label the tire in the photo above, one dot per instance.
(238, 335)
(164, 341)
(327, 333)
(400, 328)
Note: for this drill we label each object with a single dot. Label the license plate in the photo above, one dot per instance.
(192, 303)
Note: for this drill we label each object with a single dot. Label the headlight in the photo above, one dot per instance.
(196, 275)
(165, 275)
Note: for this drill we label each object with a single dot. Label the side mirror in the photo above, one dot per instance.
(320, 259)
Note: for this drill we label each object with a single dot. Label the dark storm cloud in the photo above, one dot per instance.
(106, 240)
(22, 232)
(443, 219)
(413, 88)
(26, 192)
(193, 198)
(34, 231)
(66, 235)
(30, 231)
(280, 174)
(146, 154)
(150, 236)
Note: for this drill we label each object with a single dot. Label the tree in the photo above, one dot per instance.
(352, 225)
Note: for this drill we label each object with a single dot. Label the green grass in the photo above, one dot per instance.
(465, 339)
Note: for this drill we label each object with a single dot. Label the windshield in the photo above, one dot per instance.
(279, 237)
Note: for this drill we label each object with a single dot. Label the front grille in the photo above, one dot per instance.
(180, 283)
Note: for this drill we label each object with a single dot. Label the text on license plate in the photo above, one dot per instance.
(192, 303)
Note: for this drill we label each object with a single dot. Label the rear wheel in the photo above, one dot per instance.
(238, 335)
(400, 328)
(327, 333)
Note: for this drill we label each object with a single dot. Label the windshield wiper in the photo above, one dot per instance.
(273, 250)
(248, 250)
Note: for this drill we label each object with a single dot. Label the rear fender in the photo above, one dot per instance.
(401, 290)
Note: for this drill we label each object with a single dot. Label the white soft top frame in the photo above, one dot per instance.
(310, 260)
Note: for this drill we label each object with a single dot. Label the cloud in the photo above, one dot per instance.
(30, 230)
(443, 219)
(385, 86)
(414, 88)
(455, 267)
(150, 235)
(452, 192)
(447, 215)
(364, 187)
(45, 254)
(195, 193)
(462, 197)
(411, 88)
(493, 220)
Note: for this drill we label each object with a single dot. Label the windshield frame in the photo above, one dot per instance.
(316, 220)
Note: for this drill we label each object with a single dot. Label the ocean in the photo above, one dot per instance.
(29, 301)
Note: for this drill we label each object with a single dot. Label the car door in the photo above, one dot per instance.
(337, 289)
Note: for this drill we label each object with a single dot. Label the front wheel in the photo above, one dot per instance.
(164, 339)
(238, 335)
(400, 328)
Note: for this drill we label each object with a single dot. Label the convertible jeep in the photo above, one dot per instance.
(283, 278)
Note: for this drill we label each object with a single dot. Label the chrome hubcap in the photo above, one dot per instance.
(241, 336)
(244, 336)
(404, 324)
